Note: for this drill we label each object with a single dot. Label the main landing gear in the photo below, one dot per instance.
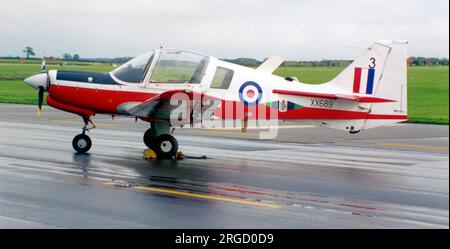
(82, 143)
(159, 139)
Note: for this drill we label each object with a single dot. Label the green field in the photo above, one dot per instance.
(428, 98)
(14, 90)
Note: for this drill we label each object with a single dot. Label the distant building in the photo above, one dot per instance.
(410, 61)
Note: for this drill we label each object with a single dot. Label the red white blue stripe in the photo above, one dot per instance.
(363, 81)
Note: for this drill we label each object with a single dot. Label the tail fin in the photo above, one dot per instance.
(381, 73)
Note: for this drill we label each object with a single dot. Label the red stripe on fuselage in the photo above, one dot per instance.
(97, 100)
(69, 108)
(106, 102)
(236, 110)
(357, 80)
(320, 113)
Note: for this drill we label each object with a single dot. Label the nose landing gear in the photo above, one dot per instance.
(82, 143)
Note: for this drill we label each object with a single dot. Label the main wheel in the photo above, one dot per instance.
(149, 139)
(165, 146)
(81, 143)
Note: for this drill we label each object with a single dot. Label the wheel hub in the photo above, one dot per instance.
(82, 143)
(166, 146)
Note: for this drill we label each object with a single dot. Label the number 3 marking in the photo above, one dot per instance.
(372, 63)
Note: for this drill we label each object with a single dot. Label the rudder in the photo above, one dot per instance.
(380, 72)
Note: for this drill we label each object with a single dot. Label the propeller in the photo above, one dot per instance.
(40, 99)
(43, 65)
(41, 89)
(40, 81)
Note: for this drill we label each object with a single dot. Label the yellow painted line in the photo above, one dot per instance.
(202, 196)
(80, 123)
(415, 146)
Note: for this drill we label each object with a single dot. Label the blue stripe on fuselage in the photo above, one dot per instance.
(370, 80)
(83, 77)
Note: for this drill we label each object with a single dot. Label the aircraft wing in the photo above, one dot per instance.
(157, 107)
(352, 97)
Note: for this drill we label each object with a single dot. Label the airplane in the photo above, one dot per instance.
(370, 92)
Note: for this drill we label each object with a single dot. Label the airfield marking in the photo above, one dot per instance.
(414, 146)
(202, 196)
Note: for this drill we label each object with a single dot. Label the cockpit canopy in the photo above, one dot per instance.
(133, 70)
(163, 66)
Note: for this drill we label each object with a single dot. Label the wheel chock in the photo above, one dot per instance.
(180, 155)
(149, 154)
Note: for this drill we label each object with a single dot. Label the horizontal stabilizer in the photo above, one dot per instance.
(356, 98)
(271, 64)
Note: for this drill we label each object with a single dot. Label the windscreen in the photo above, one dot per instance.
(133, 70)
(179, 67)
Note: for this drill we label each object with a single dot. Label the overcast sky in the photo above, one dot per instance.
(300, 29)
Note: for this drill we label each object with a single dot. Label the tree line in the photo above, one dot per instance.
(29, 52)
(423, 61)
(412, 61)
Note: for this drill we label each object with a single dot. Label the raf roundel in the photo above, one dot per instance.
(250, 93)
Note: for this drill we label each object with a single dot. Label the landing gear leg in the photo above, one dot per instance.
(82, 143)
(159, 139)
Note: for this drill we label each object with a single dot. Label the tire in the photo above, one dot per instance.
(166, 146)
(81, 143)
(149, 139)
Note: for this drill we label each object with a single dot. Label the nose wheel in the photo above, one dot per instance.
(82, 143)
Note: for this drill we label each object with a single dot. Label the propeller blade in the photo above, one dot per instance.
(40, 98)
(43, 65)
(48, 82)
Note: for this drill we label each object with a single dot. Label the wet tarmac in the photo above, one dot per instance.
(390, 177)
